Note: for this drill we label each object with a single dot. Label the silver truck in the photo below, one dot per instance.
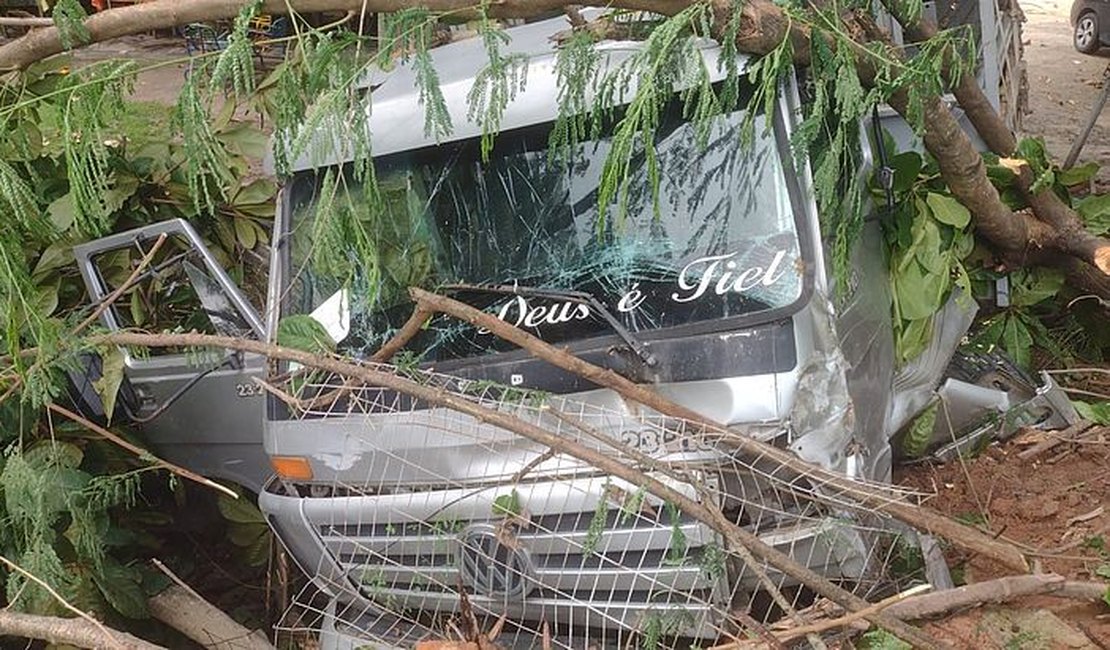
(716, 294)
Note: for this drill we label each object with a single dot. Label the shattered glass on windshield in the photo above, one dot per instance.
(720, 242)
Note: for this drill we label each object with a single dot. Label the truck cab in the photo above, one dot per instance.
(712, 289)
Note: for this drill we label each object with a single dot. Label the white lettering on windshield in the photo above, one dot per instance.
(724, 275)
(519, 312)
(721, 272)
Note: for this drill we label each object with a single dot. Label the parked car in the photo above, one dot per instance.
(1091, 22)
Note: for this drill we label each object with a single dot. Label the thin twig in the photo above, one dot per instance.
(140, 452)
(174, 577)
(62, 601)
(121, 289)
(848, 619)
(1088, 393)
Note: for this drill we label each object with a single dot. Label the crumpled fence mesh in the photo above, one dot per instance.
(563, 555)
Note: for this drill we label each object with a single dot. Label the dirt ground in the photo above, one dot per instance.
(1056, 506)
(1063, 85)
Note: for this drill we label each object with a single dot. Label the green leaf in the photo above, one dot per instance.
(1017, 340)
(1103, 570)
(1098, 412)
(62, 212)
(57, 255)
(1077, 175)
(948, 210)
(1095, 213)
(260, 191)
(52, 452)
(240, 510)
(507, 504)
(46, 297)
(920, 434)
(919, 293)
(1032, 286)
(906, 168)
(244, 233)
(138, 312)
(303, 332)
(122, 588)
(245, 139)
(107, 387)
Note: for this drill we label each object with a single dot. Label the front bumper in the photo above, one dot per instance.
(592, 560)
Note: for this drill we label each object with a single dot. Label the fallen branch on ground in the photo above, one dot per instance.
(66, 631)
(89, 623)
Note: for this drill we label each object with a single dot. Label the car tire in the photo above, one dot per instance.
(1085, 37)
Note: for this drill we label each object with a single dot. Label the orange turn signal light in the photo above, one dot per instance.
(292, 467)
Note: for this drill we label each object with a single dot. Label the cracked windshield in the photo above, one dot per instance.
(718, 242)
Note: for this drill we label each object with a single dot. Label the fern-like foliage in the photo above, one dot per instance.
(69, 17)
(406, 37)
(94, 100)
(496, 84)
(234, 68)
(206, 171)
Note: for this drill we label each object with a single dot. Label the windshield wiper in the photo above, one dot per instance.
(639, 348)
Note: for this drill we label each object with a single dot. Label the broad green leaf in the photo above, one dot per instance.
(303, 332)
(1095, 213)
(124, 188)
(56, 256)
(1032, 286)
(244, 233)
(1077, 175)
(913, 338)
(906, 168)
(918, 292)
(122, 588)
(927, 247)
(46, 296)
(259, 191)
(246, 140)
(138, 312)
(1098, 412)
(920, 433)
(53, 452)
(948, 210)
(1017, 341)
(62, 212)
(240, 510)
(107, 387)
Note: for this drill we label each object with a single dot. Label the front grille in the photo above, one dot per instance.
(626, 569)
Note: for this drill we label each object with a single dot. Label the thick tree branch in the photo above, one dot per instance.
(163, 14)
(65, 631)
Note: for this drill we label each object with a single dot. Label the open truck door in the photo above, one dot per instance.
(200, 409)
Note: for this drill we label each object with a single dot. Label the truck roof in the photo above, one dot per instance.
(397, 115)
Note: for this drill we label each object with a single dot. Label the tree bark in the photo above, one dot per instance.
(164, 14)
(202, 622)
(1068, 233)
(66, 631)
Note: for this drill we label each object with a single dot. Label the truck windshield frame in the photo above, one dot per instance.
(714, 272)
